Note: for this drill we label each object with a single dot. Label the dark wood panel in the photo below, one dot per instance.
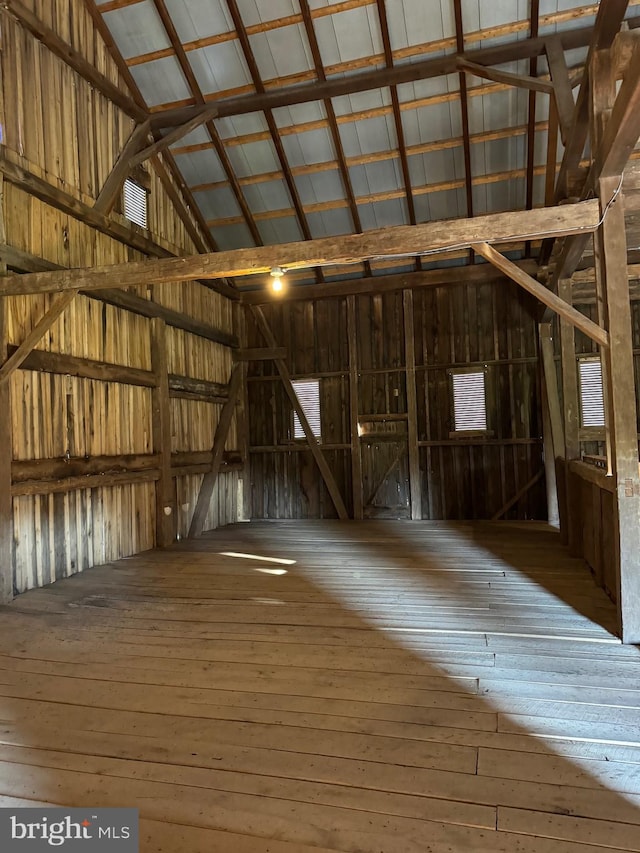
(490, 326)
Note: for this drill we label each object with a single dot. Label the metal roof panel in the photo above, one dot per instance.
(233, 236)
(254, 158)
(281, 52)
(199, 167)
(330, 223)
(137, 29)
(349, 35)
(218, 203)
(219, 67)
(267, 195)
(313, 146)
(382, 214)
(320, 187)
(283, 230)
(196, 19)
(161, 81)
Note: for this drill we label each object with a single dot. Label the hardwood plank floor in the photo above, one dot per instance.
(288, 687)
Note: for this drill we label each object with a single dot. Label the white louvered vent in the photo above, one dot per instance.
(469, 401)
(308, 393)
(134, 198)
(591, 393)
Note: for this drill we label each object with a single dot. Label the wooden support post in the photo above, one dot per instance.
(165, 491)
(242, 415)
(553, 431)
(415, 479)
(563, 94)
(570, 523)
(551, 384)
(550, 472)
(621, 409)
(6, 502)
(318, 455)
(354, 411)
(222, 431)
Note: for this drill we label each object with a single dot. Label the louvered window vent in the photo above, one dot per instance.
(469, 401)
(308, 394)
(591, 392)
(135, 202)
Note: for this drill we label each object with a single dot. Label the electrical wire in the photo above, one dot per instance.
(456, 247)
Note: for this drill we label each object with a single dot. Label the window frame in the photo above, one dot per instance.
(488, 398)
(591, 429)
(295, 420)
(140, 185)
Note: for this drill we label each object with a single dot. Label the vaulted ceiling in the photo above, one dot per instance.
(341, 117)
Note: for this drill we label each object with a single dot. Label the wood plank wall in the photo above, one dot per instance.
(589, 514)
(455, 326)
(57, 127)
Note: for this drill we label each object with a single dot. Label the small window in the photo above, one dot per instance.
(469, 401)
(135, 202)
(591, 392)
(308, 394)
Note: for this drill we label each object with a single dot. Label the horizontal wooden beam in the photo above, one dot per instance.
(86, 368)
(260, 354)
(185, 386)
(380, 78)
(130, 235)
(469, 274)
(36, 476)
(148, 308)
(498, 76)
(408, 240)
(547, 297)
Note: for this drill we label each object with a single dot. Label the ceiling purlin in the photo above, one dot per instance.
(209, 125)
(167, 157)
(250, 59)
(534, 23)
(464, 109)
(333, 123)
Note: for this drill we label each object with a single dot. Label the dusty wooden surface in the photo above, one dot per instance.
(400, 687)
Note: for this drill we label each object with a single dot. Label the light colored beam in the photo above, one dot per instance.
(426, 239)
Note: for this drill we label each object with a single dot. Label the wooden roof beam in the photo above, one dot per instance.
(397, 115)
(534, 22)
(73, 58)
(403, 241)
(520, 81)
(343, 166)
(608, 22)
(271, 123)
(205, 118)
(562, 89)
(464, 109)
(379, 78)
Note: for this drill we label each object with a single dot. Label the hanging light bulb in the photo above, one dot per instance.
(276, 279)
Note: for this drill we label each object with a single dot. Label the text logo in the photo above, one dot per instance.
(36, 830)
